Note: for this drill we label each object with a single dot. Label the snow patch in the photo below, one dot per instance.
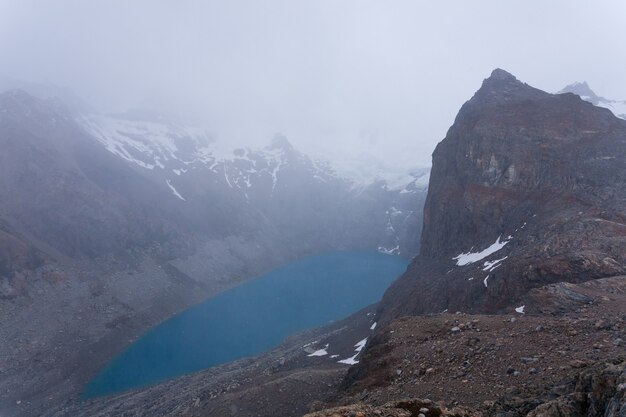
(174, 191)
(350, 361)
(310, 343)
(471, 257)
(520, 309)
(485, 280)
(320, 352)
(491, 265)
(389, 251)
(373, 326)
(358, 347)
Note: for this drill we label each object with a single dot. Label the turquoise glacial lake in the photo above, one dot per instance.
(252, 318)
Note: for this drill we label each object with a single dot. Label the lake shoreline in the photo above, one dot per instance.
(285, 369)
(305, 294)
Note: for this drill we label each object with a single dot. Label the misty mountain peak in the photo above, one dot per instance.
(16, 96)
(281, 142)
(583, 90)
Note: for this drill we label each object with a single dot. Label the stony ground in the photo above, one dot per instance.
(597, 391)
(479, 361)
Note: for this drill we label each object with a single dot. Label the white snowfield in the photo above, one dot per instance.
(471, 257)
(618, 108)
(367, 167)
(147, 144)
(520, 309)
(320, 352)
(358, 347)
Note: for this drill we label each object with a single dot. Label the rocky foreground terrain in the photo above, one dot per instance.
(567, 352)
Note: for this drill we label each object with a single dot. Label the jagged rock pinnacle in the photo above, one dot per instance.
(502, 85)
(502, 75)
(514, 155)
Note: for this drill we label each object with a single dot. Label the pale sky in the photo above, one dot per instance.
(388, 76)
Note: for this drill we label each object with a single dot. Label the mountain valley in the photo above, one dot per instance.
(122, 222)
(513, 307)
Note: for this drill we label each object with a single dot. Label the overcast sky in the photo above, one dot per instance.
(384, 75)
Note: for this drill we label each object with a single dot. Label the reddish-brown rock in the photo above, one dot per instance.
(545, 173)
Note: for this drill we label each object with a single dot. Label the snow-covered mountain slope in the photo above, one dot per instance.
(290, 188)
(363, 167)
(149, 144)
(174, 148)
(582, 89)
(353, 195)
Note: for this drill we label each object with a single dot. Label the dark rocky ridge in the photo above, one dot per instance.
(548, 170)
(546, 175)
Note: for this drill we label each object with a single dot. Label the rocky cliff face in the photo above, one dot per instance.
(527, 188)
(525, 216)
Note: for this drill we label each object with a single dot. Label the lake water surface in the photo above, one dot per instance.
(252, 318)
